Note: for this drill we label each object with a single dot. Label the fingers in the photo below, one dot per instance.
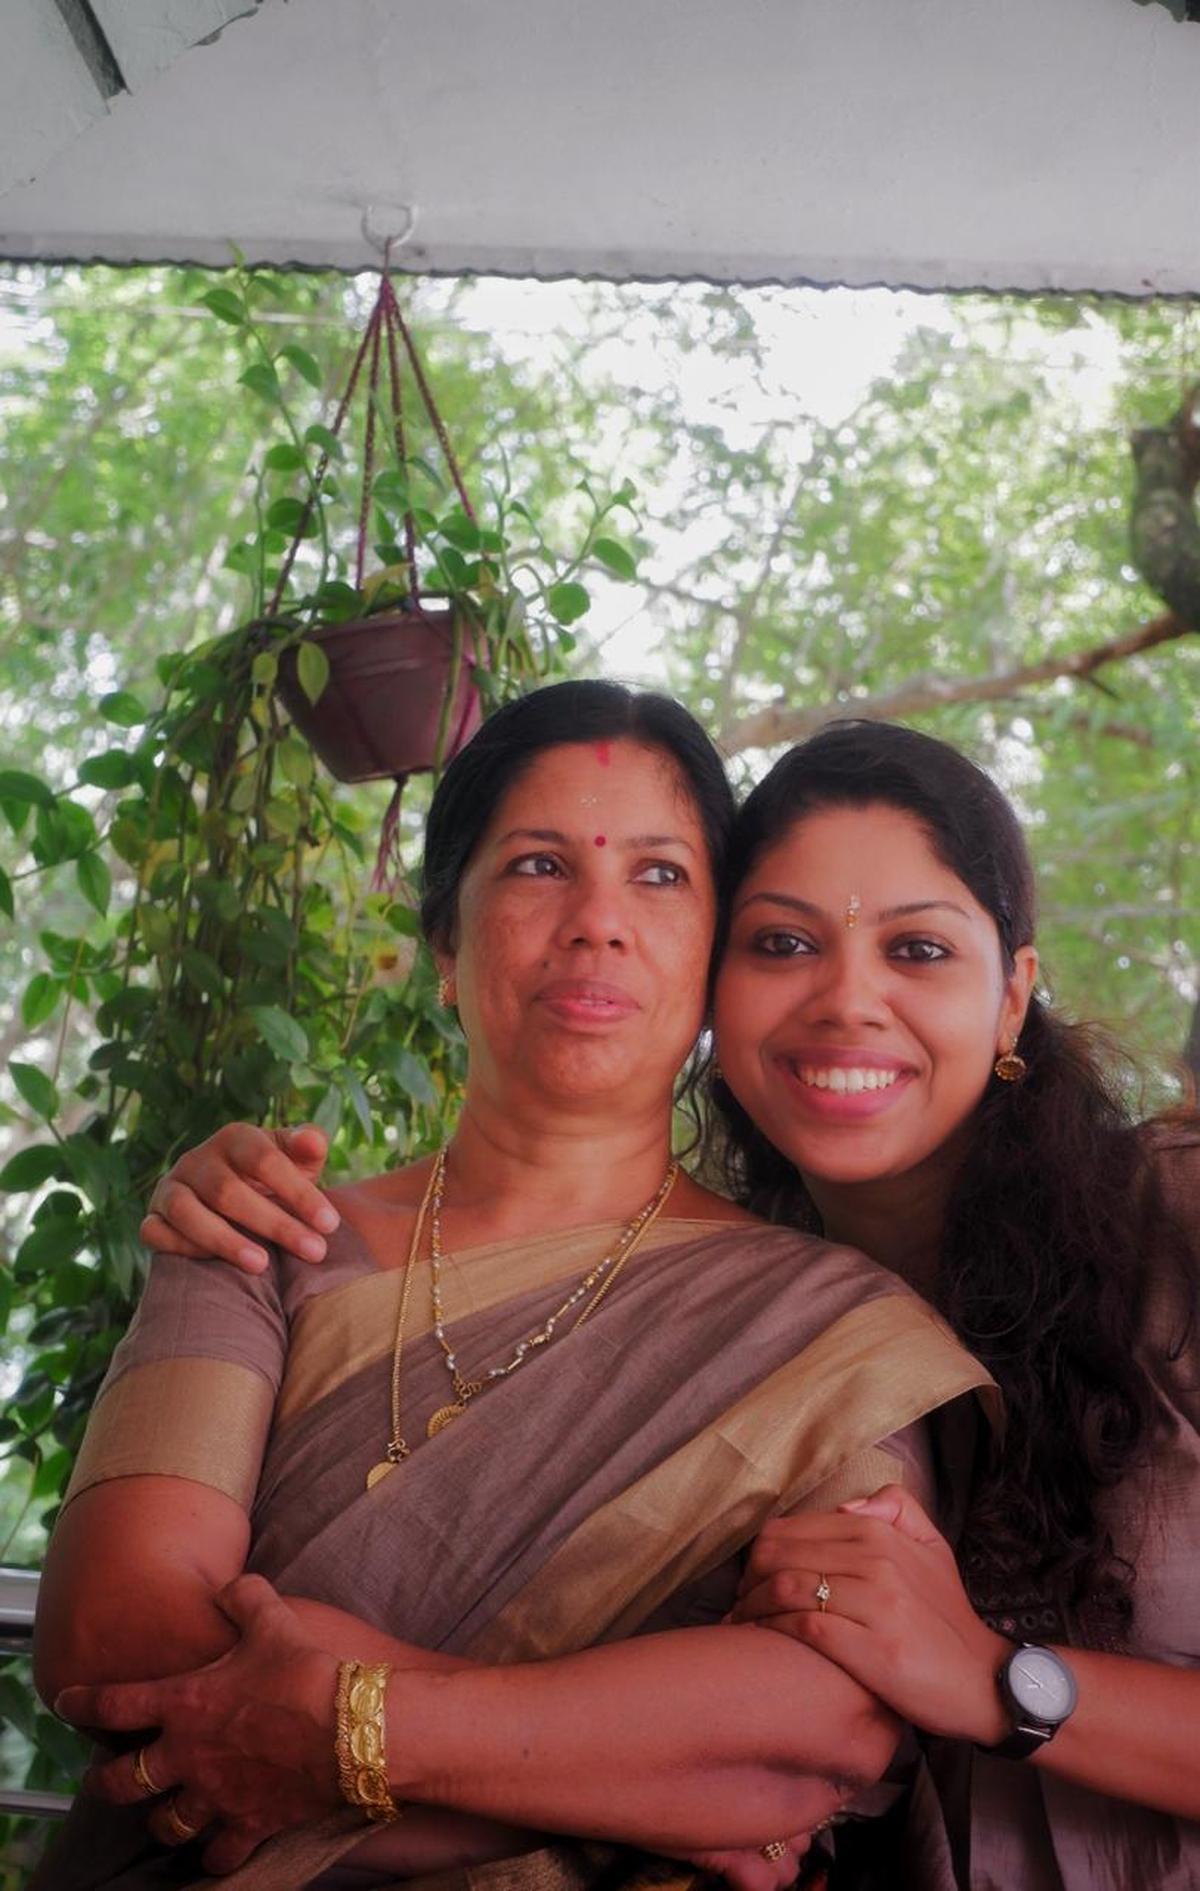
(179, 1819)
(795, 1592)
(119, 1707)
(306, 1146)
(159, 1235)
(808, 1540)
(250, 1602)
(269, 1162)
(192, 1229)
(128, 1779)
(246, 1175)
(897, 1506)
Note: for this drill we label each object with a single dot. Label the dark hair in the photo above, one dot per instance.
(1054, 1208)
(496, 758)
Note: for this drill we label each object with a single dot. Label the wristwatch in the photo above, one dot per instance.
(1039, 1691)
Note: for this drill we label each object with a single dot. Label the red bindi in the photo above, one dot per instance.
(601, 840)
(604, 753)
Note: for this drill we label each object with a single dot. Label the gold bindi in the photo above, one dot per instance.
(853, 909)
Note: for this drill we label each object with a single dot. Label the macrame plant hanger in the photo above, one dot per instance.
(385, 333)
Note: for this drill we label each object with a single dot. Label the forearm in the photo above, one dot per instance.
(703, 1737)
(1135, 1733)
(350, 1639)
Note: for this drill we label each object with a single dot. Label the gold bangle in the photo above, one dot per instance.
(359, 1739)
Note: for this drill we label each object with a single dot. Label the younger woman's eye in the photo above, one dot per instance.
(920, 951)
(662, 873)
(536, 866)
(779, 943)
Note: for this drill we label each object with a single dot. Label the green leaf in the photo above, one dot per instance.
(16, 785)
(95, 881)
(410, 1072)
(287, 515)
(616, 557)
(225, 304)
(202, 971)
(295, 761)
(113, 769)
(359, 1100)
(303, 363)
(281, 1033)
(284, 458)
(312, 667)
(41, 999)
(404, 920)
(35, 1089)
(100, 1171)
(262, 380)
(459, 530)
(323, 437)
(6, 895)
(265, 668)
(328, 1113)
(567, 602)
(29, 1168)
(53, 1241)
(121, 706)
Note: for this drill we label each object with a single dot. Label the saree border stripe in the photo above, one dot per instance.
(338, 1333)
(158, 1420)
(877, 1369)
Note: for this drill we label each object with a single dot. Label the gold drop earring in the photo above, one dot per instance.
(1010, 1066)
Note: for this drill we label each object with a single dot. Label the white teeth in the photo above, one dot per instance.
(846, 1082)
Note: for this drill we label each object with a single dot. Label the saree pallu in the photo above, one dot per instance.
(605, 1488)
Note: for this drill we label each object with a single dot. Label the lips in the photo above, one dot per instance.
(588, 1000)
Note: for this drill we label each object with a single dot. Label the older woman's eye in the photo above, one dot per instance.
(536, 866)
(662, 873)
(920, 951)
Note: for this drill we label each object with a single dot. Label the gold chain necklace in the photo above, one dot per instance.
(599, 1277)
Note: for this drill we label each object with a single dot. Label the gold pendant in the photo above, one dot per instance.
(443, 1416)
(379, 1470)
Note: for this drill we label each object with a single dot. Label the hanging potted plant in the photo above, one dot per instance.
(389, 675)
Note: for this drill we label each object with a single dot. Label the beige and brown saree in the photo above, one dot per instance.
(606, 1488)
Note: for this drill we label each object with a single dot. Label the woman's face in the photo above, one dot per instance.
(863, 997)
(585, 924)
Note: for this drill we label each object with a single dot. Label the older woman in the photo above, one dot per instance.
(889, 1081)
(541, 1394)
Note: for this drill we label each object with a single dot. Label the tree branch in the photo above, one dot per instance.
(768, 728)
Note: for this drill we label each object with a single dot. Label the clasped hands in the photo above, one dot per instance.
(244, 1747)
(895, 1616)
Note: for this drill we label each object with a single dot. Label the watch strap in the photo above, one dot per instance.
(1021, 1742)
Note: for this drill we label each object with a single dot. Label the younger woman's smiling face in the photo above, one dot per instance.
(863, 997)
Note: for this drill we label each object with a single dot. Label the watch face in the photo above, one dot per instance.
(1041, 1684)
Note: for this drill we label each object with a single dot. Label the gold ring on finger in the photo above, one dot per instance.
(774, 1849)
(823, 1593)
(141, 1774)
(178, 1826)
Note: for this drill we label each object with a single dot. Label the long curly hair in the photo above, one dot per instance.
(1053, 1214)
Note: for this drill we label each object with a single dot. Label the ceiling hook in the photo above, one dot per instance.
(388, 227)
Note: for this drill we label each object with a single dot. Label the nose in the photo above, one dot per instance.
(849, 989)
(596, 914)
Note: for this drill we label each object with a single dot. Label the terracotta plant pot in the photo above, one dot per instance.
(380, 712)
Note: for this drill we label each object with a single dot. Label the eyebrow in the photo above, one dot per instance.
(796, 905)
(555, 838)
